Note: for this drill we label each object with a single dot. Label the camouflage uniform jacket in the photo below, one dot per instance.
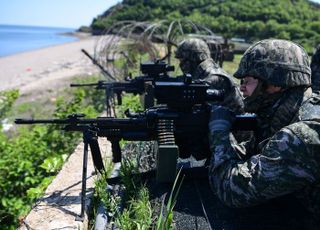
(315, 71)
(288, 163)
(315, 76)
(210, 72)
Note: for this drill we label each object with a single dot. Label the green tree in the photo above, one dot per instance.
(250, 19)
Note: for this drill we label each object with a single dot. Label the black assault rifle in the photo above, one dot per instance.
(153, 72)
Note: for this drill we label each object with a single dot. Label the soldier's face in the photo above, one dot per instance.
(248, 85)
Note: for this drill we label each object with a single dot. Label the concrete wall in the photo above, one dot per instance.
(60, 206)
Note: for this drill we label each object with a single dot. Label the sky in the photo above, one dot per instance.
(52, 13)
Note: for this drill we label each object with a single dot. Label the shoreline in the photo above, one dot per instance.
(33, 70)
(78, 35)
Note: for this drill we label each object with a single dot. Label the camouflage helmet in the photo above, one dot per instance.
(278, 62)
(193, 49)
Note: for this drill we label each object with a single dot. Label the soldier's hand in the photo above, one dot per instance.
(221, 118)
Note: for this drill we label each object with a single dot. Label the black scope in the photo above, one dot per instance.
(155, 68)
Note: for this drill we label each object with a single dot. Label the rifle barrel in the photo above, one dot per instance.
(41, 121)
(80, 85)
(100, 121)
(94, 61)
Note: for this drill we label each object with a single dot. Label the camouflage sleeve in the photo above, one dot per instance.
(232, 99)
(315, 79)
(282, 167)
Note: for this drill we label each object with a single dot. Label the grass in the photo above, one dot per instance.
(165, 218)
(137, 213)
(231, 67)
(43, 106)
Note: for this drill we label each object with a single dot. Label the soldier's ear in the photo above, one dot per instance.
(202, 57)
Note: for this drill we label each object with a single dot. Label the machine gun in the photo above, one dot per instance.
(181, 113)
(180, 127)
(172, 130)
(153, 72)
(181, 107)
(166, 126)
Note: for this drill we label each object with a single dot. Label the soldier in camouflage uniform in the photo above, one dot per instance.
(286, 157)
(315, 71)
(195, 59)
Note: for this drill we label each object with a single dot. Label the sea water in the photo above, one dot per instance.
(15, 39)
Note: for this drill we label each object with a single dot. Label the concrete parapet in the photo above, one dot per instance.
(60, 206)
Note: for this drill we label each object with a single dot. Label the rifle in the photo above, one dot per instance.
(134, 86)
(153, 71)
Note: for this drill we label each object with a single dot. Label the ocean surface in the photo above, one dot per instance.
(17, 39)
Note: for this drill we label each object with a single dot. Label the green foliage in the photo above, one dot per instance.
(95, 98)
(30, 159)
(249, 19)
(7, 98)
(231, 67)
(131, 102)
(101, 195)
(137, 213)
(165, 219)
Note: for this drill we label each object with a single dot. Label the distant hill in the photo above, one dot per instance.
(297, 20)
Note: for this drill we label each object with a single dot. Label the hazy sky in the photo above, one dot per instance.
(56, 13)
(59, 13)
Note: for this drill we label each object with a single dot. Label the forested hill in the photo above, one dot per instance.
(297, 20)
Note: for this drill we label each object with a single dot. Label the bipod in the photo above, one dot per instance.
(90, 138)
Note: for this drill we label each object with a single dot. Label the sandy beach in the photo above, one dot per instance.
(46, 68)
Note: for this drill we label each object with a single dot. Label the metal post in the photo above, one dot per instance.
(84, 180)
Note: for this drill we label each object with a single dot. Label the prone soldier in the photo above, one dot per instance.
(195, 59)
(286, 159)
